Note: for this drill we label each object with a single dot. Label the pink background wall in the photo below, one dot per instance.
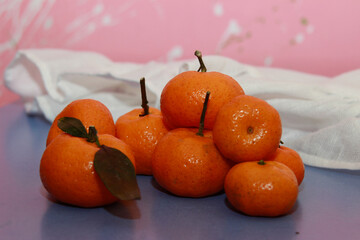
(321, 37)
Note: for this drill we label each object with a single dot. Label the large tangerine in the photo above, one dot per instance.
(68, 174)
(247, 129)
(182, 97)
(189, 165)
(269, 189)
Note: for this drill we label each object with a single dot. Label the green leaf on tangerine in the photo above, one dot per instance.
(72, 126)
(117, 173)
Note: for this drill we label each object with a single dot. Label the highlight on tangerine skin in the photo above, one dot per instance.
(247, 129)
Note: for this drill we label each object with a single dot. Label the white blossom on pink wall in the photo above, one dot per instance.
(311, 36)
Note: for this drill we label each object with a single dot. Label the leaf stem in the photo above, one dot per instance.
(145, 102)
(92, 136)
(202, 118)
(202, 67)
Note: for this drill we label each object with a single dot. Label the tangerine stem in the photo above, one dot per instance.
(92, 136)
(202, 67)
(261, 162)
(202, 118)
(145, 102)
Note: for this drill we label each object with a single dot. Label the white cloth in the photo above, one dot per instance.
(320, 115)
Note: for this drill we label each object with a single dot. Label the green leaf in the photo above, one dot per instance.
(117, 173)
(72, 126)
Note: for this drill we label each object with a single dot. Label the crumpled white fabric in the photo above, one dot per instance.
(320, 115)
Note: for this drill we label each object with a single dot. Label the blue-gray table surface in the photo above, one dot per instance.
(328, 205)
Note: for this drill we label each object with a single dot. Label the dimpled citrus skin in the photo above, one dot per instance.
(141, 133)
(90, 112)
(247, 129)
(67, 172)
(290, 158)
(183, 96)
(188, 165)
(268, 190)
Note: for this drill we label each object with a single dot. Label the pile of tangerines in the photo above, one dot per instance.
(208, 136)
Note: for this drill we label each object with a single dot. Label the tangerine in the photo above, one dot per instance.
(142, 134)
(141, 129)
(90, 112)
(183, 96)
(264, 188)
(247, 129)
(290, 158)
(67, 171)
(187, 163)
